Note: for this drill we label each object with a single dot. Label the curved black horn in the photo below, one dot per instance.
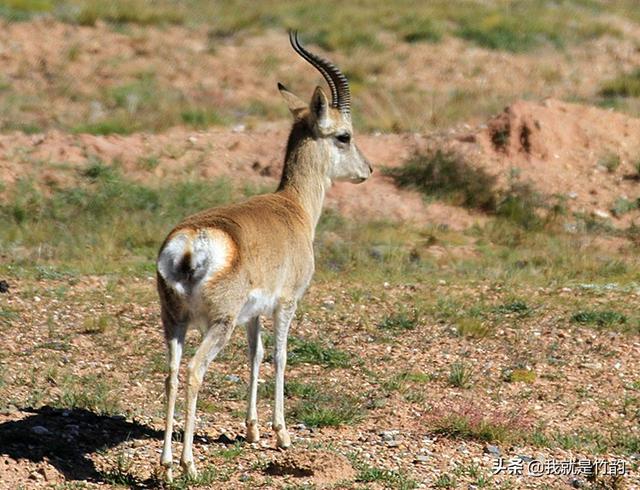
(338, 83)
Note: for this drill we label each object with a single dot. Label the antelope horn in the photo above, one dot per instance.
(338, 83)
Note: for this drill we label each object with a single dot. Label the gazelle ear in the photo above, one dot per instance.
(295, 103)
(319, 107)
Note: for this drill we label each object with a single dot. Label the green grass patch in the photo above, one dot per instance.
(504, 33)
(387, 478)
(600, 318)
(624, 85)
(323, 407)
(420, 29)
(622, 206)
(88, 12)
(610, 161)
(107, 223)
(21, 10)
(445, 481)
(615, 439)
(519, 375)
(316, 352)
(449, 176)
(116, 125)
(479, 423)
(515, 307)
(88, 392)
(201, 118)
(399, 321)
(460, 375)
(474, 328)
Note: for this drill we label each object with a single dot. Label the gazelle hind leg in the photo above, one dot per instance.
(282, 320)
(212, 343)
(256, 354)
(175, 339)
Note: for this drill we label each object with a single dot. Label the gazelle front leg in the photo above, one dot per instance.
(256, 354)
(282, 321)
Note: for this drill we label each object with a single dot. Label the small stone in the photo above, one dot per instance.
(4, 286)
(48, 473)
(421, 458)
(491, 449)
(35, 475)
(596, 366)
(234, 378)
(40, 430)
(388, 435)
(601, 214)
(575, 482)
(376, 253)
(192, 139)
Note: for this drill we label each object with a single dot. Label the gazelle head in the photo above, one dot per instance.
(328, 123)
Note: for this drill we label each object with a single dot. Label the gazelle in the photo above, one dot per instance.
(229, 265)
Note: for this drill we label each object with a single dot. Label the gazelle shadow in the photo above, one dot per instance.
(66, 437)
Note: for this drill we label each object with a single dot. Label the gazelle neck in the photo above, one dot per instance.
(304, 175)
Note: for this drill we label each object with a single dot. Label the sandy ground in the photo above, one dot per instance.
(585, 379)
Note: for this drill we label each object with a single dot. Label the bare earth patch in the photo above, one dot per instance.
(319, 467)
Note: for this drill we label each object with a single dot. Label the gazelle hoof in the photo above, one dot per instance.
(168, 475)
(283, 440)
(253, 433)
(190, 469)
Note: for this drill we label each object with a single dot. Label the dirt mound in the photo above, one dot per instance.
(585, 156)
(322, 467)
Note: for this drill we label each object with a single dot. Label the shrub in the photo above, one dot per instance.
(606, 318)
(447, 175)
(625, 85)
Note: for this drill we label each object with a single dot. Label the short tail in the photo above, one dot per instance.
(185, 261)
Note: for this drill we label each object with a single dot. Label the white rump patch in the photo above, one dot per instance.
(190, 258)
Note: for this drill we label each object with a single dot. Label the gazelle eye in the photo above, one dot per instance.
(344, 138)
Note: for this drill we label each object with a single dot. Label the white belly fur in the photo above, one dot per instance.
(259, 302)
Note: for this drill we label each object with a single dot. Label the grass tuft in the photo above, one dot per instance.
(323, 407)
(520, 375)
(447, 175)
(471, 327)
(460, 375)
(602, 319)
(473, 422)
(88, 392)
(399, 321)
(316, 352)
(625, 85)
